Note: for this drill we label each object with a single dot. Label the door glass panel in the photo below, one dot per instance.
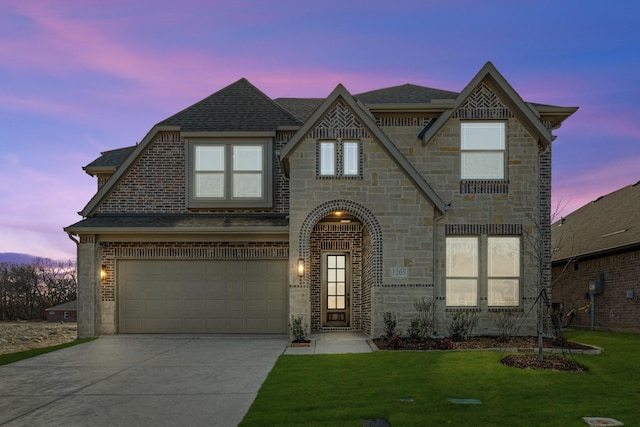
(336, 282)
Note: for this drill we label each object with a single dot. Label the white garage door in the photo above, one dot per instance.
(212, 296)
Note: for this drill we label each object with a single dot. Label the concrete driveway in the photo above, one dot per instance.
(139, 380)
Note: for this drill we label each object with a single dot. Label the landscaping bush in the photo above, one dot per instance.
(390, 323)
(462, 325)
(506, 323)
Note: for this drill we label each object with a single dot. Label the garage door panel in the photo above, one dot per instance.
(211, 296)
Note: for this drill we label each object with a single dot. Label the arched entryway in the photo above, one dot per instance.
(341, 243)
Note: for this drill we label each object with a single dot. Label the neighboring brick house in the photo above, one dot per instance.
(241, 211)
(596, 262)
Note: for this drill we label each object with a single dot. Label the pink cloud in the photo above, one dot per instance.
(40, 204)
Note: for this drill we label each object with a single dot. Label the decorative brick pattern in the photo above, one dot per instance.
(483, 103)
(403, 121)
(339, 123)
(367, 258)
(334, 237)
(484, 187)
(492, 229)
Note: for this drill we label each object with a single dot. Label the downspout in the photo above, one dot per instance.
(435, 259)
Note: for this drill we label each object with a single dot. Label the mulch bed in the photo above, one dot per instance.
(549, 362)
(524, 361)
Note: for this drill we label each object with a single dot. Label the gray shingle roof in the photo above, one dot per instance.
(237, 107)
(608, 224)
(302, 108)
(111, 158)
(404, 94)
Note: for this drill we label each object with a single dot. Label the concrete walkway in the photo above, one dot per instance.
(151, 380)
(333, 343)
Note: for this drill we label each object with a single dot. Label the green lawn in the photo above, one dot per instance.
(343, 390)
(5, 359)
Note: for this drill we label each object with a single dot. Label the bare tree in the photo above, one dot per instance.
(26, 290)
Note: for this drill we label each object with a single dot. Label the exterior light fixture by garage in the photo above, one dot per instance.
(103, 272)
(300, 267)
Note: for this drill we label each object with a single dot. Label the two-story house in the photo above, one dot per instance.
(240, 211)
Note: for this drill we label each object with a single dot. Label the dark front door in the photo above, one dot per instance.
(336, 289)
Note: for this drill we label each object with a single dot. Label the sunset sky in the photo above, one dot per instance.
(80, 77)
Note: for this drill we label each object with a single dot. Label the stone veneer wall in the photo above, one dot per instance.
(522, 199)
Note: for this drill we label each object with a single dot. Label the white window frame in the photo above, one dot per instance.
(339, 159)
(230, 172)
(503, 284)
(479, 273)
(468, 277)
(483, 142)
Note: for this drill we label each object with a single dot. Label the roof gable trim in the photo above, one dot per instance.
(523, 111)
(367, 120)
(95, 201)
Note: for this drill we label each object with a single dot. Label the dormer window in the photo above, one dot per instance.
(339, 159)
(229, 173)
(482, 148)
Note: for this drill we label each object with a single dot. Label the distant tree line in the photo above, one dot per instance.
(27, 290)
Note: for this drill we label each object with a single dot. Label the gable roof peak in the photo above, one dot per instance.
(368, 121)
(239, 106)
(525, 113)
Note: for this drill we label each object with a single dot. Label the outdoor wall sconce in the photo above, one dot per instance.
(103, 272)
(300, 267)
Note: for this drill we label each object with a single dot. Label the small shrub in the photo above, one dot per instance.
(443, 344)
(507, 324)
(298, 331)
(462, 325)
(390, 322)
(422, 325)
(414, 331)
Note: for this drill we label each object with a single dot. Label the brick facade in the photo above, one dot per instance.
(397, 239)
(614, 309)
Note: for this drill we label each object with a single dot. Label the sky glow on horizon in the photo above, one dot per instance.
(78, 78)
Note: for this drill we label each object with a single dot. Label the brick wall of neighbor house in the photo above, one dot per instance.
(110, 252)
(613, 310)
(156, 183)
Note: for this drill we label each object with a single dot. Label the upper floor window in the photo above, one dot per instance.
(482, 149)
(229, 173)
(339, 159)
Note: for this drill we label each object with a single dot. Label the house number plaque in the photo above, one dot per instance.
(399, 272)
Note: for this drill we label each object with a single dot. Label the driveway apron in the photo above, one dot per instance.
(140, 380)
